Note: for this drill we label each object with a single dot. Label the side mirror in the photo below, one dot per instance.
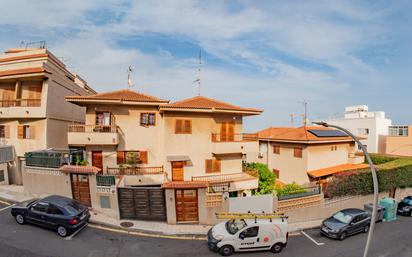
(242, 236)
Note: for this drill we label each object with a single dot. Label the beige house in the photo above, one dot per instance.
(399, 141)
(307, 154)
(33, 111)
(166, 159)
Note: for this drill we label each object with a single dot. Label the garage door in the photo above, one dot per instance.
(142, 203)
(186, 205)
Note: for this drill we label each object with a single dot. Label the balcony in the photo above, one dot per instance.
(229, 182)
(236, 143)
(135, 170)
(21, 108)
(139, 176)
(93, 135)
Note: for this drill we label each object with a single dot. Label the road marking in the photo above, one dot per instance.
(311, 239)
(74, 234)
(5, 208)
(135, 233)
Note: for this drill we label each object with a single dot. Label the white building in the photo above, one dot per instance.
(370, 125)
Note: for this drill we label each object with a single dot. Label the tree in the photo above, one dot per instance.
(266, 177)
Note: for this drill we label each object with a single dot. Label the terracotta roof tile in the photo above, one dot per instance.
(185, 184)
(335, 169)
(121, 95)
(301, 134)
(79, 169)
(201, 102)
(22, 71)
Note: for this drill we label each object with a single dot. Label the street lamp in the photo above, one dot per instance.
(374, 178)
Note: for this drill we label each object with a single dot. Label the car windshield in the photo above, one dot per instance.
(73, 208)
(342, 217)
(233, 226)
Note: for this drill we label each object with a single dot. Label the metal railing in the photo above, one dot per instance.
(222, 178)
(135, 170)
(93, 128)
(216, 137)
(21, 103)
(105, 180)
(44, 161)
(219, 187)
(307, 191)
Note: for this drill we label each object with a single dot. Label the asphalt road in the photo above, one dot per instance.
(391, 239)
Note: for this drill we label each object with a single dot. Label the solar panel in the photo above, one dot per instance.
(327, 133)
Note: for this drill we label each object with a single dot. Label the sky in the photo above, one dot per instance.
(272, 55)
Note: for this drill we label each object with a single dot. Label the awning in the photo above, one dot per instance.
(176, 158)
(228, 154)
(79, 169)
(335, 169)
(185, 184)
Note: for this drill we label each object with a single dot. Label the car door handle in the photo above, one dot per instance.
(258, 239)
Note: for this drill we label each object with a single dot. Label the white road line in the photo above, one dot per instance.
(3, 202)
(5, 208)
(75, 233)
(311, 239)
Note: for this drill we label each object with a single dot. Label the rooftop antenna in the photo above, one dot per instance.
(198, 70)
(291, 119)
(129, 76)
(305, 115)
(42, 44)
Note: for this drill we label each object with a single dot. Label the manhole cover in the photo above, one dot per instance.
(126, 224)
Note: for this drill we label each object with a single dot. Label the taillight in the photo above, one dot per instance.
(73, 221)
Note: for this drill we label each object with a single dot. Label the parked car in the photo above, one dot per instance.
(59, 213)
(405, 206)
(345, 223)
(241, 235)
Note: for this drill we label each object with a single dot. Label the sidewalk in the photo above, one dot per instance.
(15, 194)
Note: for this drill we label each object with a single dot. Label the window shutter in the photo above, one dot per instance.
(216, 165)
(7, 131)
(178, 127)
(32, 131)
(297, 152)
(209, 166)
(143, 157)
(188, 127)
(223, 132)
(120, 157)
(231, 131)
(20, 131)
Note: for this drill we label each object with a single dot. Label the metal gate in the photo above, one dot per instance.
(142, 203)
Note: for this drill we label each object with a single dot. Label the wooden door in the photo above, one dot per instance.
(227, 131)
(177, 171)
(97, 159)
(81, 189)
(186, 205)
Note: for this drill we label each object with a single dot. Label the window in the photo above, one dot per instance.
(105, 202)
(131, 157)
(183, 127)
(40, 207)
(2, 179)
(103, 118)
(360, 148)
(398, 131)
(276, 171)
(250, 232)
(25, 132)
(276, 149)
(54, 210)
(147, 119)
(212, 166)
(363, 131)
(334, 148)
(4, 131)
(297, 152)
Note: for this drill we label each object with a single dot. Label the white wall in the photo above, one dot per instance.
(254, 204)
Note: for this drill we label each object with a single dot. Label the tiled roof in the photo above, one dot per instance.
(120, 95)
(335, 169)
(79, 169)
(300, 134)
(22, 71)
(205, 103)
(185, 184)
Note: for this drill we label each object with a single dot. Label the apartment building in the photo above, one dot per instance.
(372, 126)
(33, 111)
(306, 154)
(164, 160)
(399, 141)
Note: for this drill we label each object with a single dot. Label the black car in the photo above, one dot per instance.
(405, 206)
(54, 212)
(345, 223)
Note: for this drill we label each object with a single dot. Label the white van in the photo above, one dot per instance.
(241, 235)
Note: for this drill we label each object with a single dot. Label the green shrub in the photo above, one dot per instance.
(266, 177)
(289, 189)
(380, 159)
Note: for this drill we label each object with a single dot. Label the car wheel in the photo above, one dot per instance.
(276, 248)
(20, 219)
(62, 231)
(366, 229)
(226, 250)
(342, 236)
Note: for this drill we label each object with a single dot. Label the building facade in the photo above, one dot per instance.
(373, 126)
(302, 155)
(399, 141)
(33, 111)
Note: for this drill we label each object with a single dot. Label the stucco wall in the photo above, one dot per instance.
(399, 145)
(321, 156)
(254, 204)
(4, 168)
(110, 192)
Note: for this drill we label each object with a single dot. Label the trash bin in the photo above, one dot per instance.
(379, 212)
(390, 208)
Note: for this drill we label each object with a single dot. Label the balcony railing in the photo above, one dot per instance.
(20, 103)
(135, 170)
(216, 137)
(105, 180)
(215, 179)
(93, 128)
